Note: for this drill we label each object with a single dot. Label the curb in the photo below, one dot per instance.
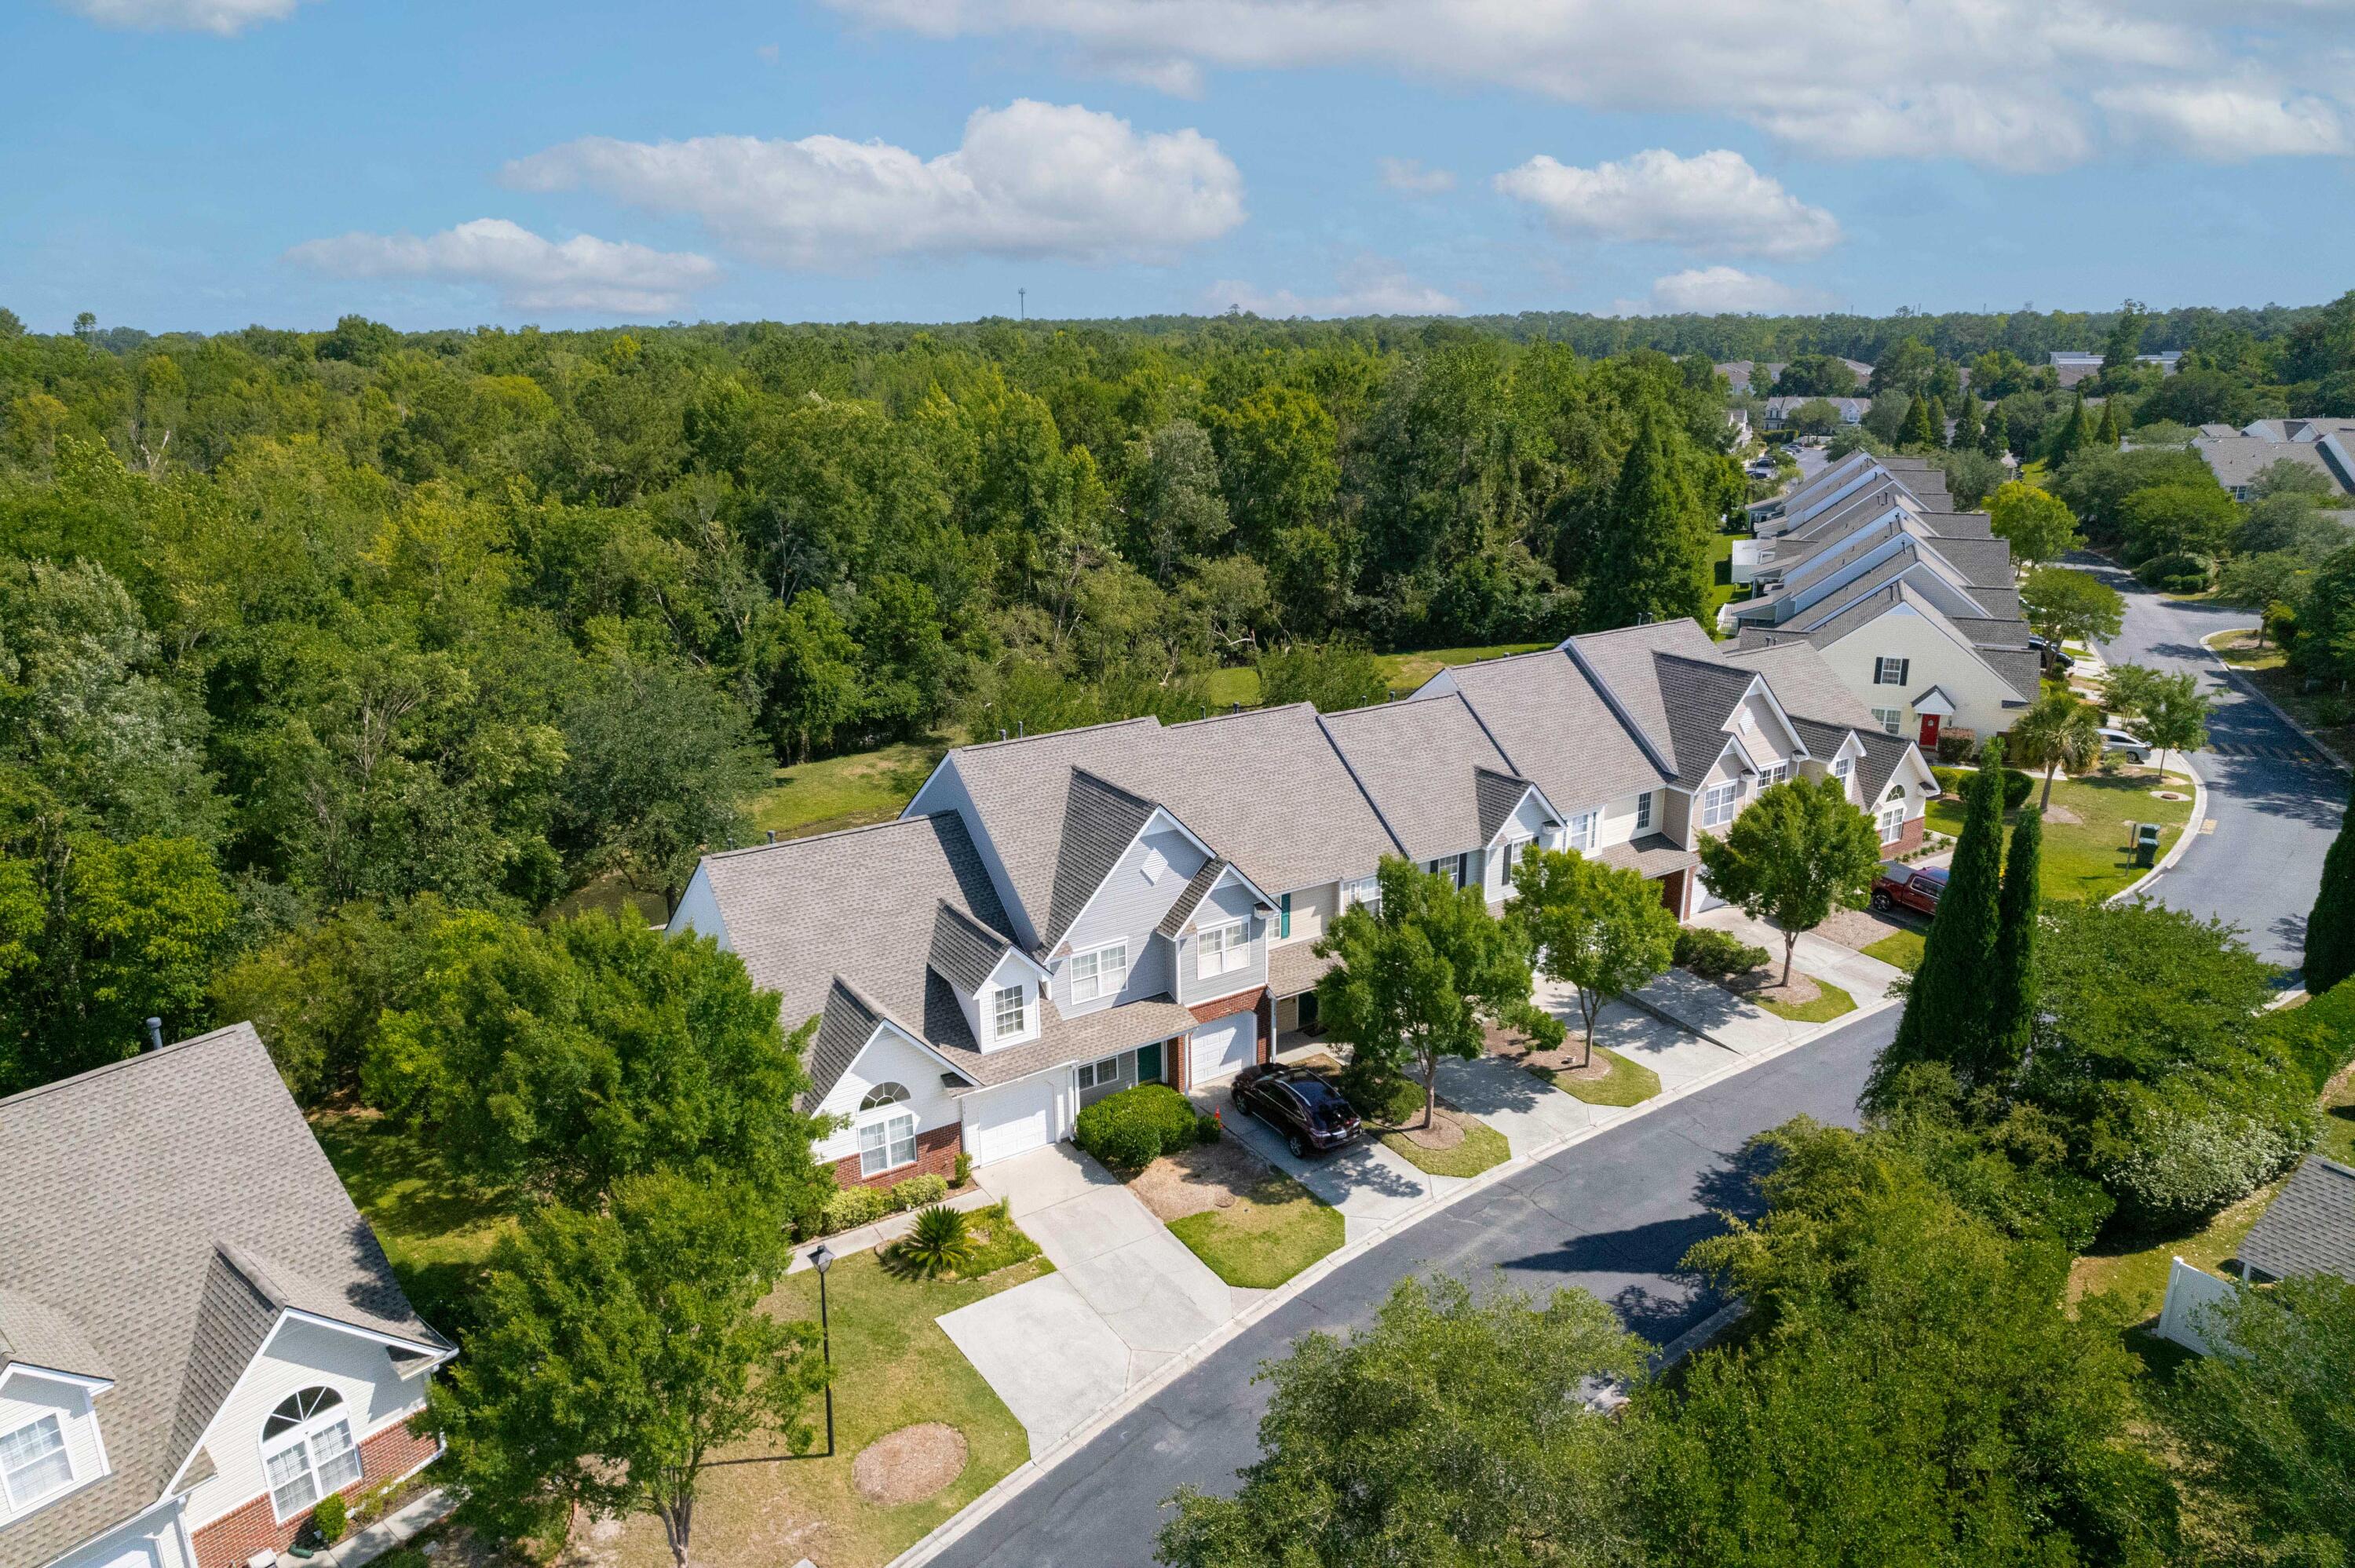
(2182, 840)
(2251, 687)
(1019, 1479)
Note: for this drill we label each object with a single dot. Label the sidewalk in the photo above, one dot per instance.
(1867, 980)
(891, 1227)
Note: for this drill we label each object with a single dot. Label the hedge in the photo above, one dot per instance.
(2016, 786)
(1717, 954)
(1136, 1127)
(2319, 1036)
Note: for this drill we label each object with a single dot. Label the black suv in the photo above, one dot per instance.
(1299, 1104)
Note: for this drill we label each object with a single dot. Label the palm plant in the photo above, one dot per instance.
(2059, 732)
(942, 1242)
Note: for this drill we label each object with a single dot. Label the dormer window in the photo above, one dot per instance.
(34, 1463)
(1007, 1015)
(307, 1450)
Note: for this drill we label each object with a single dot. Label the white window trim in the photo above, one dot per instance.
(1096, 1074)
(998, 1034)
(882, 1121)
(1584, 829)
(1888, 670)
(1362, 890)
(1774, 773)
(1841, 765)
(300, 1436)
(1644, 811)
(1096, 977)
(1222, 949)
(1893, 720)
(1727, 796)
(1892, 821)
(18, 1506)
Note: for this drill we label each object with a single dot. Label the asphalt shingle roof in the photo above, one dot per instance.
(1556, 729)
(130, 1188)
(1805, 684)
(1419, 762)
(1101, 819)
(2310, 1227)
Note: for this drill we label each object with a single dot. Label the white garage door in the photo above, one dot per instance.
(1011, 1120)
(1221, 1047)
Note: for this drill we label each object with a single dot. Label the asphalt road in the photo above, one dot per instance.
(1611, 1215)
(2274, 799)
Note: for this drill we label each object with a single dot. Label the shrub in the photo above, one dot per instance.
(1136, 1127)
(2318, 1037)
(963, 1169)
(1954, 747)
(2172, 1155)
(2175, 573)
(942, 1242)
(1207, 1129)
(917, 1190)
(330, 1519)
(2016, 786)
(1717, 954)
(853, 1207)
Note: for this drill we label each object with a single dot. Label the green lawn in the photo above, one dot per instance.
(1628, 1084)
(2338, 1118)
(1823, 1009)
(1408, 670)
(1266, 1237)
(436, 1229)
(1482, 1147)
(1901, 948)
(846, 791)
(2324, 713)
(1223, 689)
(1723, 589)
(2088, 858)
(2135, 1271)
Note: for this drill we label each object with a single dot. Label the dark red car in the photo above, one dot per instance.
(1913, 887)
(1296, 1102)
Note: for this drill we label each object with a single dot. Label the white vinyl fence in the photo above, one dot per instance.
(2188, 1292)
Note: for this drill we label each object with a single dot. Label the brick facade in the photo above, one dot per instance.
(1906, 842)
(1254, 1001)
(236, 1535)
(936, 1155)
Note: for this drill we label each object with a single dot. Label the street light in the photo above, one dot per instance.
(823, 1260)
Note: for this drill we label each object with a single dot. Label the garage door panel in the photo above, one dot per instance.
(1009, 1122)
(1222, 1047)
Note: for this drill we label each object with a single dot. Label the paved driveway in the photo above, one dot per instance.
(1372, 1187)
(2274, 800)
(1125, 1295)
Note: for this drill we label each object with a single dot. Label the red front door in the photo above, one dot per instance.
(1929, 731)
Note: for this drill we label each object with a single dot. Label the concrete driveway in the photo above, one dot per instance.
(1677, 1055)
(1126, 1297)
(1373, 1188)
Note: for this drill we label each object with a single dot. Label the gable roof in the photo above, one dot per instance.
(204, 1157)
(1556, 729)
(2309, 1228)
(34, 1334)
(1804, 683)
(1420, 762)
(1101, 819)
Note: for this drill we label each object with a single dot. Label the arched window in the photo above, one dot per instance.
(887, 1131)
(307, 1450)
(883, 1094)
(1896, 792)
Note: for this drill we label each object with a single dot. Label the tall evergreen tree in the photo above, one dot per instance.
(1652, 560)
(2107, 434)
(1968, 426)
(1948, 1014)
(1994, 435)
(2011, 999)
(2073, 435)
(1915, 432)
(1937, 422)
(2330, 928)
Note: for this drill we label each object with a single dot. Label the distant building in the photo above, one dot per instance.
(2326, 446)
(2075, 364)
(1851, 410)
(1756, 376)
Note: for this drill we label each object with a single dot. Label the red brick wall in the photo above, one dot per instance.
(936, 1153)
(230, 1540)
(1907, 842)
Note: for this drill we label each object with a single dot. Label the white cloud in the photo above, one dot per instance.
(224, 17)
(1718, 291)
(2223, 124)
(1030, 179)
(1369, 287)
(583, 273)
(1713, 201)
(1408, 175)
(2007, 83)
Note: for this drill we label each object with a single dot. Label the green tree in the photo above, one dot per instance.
(2267, 1432)
(1938, 422)
(1418, 973)
(2128, 689)
(2071, 606)
(2330, 925)
(1175, 510)
(1970, 427)
(2036, 523)
(2178, 520)
(1278, 455)
(2259, 582)
(1450, 1430)
(1795, 854)
(2173, 716)
(1906, 366)
(1815, 417)
(1946, 1014)
(2012, 984)
(1816, 376)
(1591, 926)
(2060, 731)
(315, 993)
(619, 1351)
(2106, 433)
(2071, 436)
(1995, 435)
(1653, 555)
(566, 1058)
(1335, 676)
(808, 665)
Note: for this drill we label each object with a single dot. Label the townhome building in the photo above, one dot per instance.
(1056, 918)
(200, 1336)
(1914, 605)
(2325, 447)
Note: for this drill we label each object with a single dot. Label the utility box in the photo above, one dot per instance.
(2146, 844)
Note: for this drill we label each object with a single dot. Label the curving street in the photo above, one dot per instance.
(1611, 1215)
(2275, 801)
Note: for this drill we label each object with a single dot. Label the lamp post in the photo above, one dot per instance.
(823, 1260)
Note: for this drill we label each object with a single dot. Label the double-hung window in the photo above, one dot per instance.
(307, 1450)
(1889, 671)
(1221, 948)
(33, 1462)
(1892, 821)
(1007, 1015)
(1892, 719)
(1583, 828)
(1449, 866)
(1099, 973)
(1841, 765)
(1643, 811)
(1718, 802)
(1099, 1075)
(1774, 773)
(887, 1129)
(1365, 890)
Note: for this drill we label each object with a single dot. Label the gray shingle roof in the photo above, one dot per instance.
(1191, 898)
(964, 950)
(1654, 855)
(1061, 1040)
(1101, 819)
(2238, 459)
(1625, 663)
(2310, 1227)
(1805, 684)
(1556, 729)
(1702, 695)
(1499, 796)
(1884, 754)
(1294, 968)
(1419, 762)
(124, 1184)
(34, 1334)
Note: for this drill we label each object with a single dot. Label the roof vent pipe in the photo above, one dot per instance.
(155, 1034)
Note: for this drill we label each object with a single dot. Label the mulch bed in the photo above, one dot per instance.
(909, 1465)
(1758, 985)
(1859, 928)
(2062, 814)
(1207, 1176)
(1445, 1131)
(1512, 1045)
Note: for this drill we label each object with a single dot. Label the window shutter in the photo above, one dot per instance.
(1283, 918)
(1904, 671)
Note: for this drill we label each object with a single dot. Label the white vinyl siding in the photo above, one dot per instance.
(1008, 1016)
(1223, 950)
(888, 1062)
(1099, 974)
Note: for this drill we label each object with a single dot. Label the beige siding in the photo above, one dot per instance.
(26, 1397)
(1903, 633)
(1312, 909)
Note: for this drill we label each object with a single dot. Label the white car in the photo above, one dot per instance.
(2133, 746)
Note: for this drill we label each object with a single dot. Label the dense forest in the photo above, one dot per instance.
(306, 636)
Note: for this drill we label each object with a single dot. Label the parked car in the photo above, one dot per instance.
(1299, 1103)
(2048, 653)
(2133, 746)
(1903, 886)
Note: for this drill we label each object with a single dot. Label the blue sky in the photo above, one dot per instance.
(207, 164)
